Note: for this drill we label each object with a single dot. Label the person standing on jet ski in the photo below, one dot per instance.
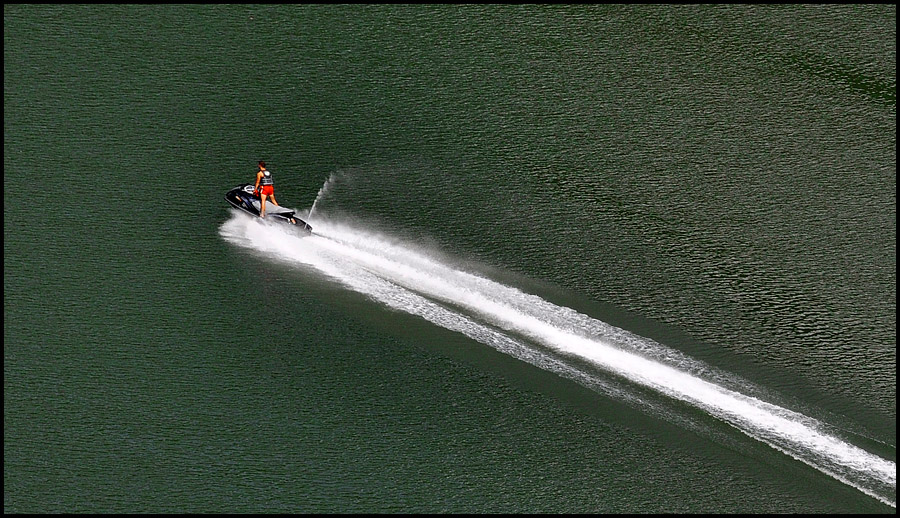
(264, 177)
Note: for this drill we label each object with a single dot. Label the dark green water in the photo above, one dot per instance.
(717, 181)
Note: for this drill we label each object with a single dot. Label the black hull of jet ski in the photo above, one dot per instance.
(243, 198)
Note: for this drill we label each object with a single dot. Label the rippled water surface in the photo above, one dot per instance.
(567, 259)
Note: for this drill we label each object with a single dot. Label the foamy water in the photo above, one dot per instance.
(544, 334)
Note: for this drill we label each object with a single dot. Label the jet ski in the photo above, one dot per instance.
(244, 197)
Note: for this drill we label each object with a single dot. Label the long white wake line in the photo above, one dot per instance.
(376, 267)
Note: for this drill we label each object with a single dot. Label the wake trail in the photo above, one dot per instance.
(546, 335)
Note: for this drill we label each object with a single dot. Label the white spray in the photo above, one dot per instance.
(323, 191)
(409, 280)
